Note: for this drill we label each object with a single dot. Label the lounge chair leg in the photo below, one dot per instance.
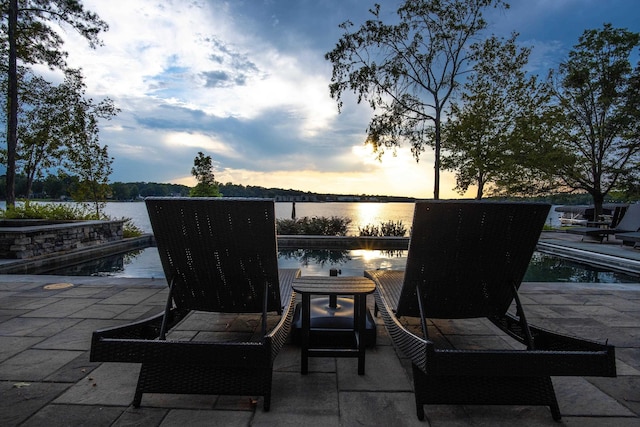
(167, 309)
(419, 385)
(142, 377)
(555, 412)
(523, 319)
(553, 401)
(420, 411)
(267, 402)
(137, 398)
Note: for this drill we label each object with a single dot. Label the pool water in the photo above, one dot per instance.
(145, 263)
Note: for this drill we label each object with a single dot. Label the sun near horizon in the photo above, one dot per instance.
(396, 175)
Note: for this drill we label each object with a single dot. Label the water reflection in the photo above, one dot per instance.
(315, 256)
(547, 268)
(106, 266)
(146, 263)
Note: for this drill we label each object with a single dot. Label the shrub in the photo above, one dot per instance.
(386, 229)
(288, 226)
(316, 226)
(52, 211)
(64, 212)
(129, 229)
(392, 228)
(369, 230)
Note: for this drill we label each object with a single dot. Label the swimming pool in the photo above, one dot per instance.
(145, 263)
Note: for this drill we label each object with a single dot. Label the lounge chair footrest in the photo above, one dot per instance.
(485, 390)
(203, 379)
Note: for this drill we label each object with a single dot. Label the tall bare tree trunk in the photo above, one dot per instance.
(480, 190)
(436, 163)
(12, 101)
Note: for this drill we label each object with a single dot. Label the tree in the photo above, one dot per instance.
(84, 156)
(408, 71)
(203, 171)
(535, 149)
(29, 36)
(495, 125)
(38, 147)
(48, 126)
(92, 164)
(598, 91)
(53, 186)
(122, 191)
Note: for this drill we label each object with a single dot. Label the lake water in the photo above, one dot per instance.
(361, 214)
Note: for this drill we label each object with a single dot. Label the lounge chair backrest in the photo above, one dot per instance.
(618, 214)
(466, 256)
(631, 219)
(220, 253)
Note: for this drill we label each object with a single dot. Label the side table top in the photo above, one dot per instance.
(332, 285)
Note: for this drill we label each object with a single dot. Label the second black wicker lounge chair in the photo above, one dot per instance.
(218, 255)
(467, 260)
(629, 222)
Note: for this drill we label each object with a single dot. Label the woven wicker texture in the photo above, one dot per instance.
(219, 255)
(466, 255)
(467, 260)
(233, 238)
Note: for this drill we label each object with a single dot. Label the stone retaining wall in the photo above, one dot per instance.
(21, 239)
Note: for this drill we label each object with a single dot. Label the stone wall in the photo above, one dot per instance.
(21, 239)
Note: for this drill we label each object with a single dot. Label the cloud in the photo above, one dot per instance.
(209, 76)
(247, 83)
(217, 78)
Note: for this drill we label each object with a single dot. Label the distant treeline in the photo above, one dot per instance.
(130, 191)
(134, 190)
(62, 188)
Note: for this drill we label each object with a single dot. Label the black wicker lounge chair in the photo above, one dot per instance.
(629, 239)
(218, 255)
(467, 260)
(618, 214)
(629, 222)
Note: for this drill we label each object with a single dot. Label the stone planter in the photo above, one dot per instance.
(28, 238)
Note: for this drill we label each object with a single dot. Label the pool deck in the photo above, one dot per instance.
(46, 378)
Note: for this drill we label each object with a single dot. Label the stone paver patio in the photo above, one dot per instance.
(46, 377)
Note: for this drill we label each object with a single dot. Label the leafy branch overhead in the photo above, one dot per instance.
(576, 131)
(501, 117)
(30, 35)
(408, 70)
(505, 131)
(598, 89)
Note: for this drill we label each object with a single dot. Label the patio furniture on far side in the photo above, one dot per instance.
(466, 260)
(629, 222)
(618, 214)
(219, 256)
(629, 239)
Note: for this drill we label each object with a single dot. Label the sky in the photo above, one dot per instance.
(246, 82)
